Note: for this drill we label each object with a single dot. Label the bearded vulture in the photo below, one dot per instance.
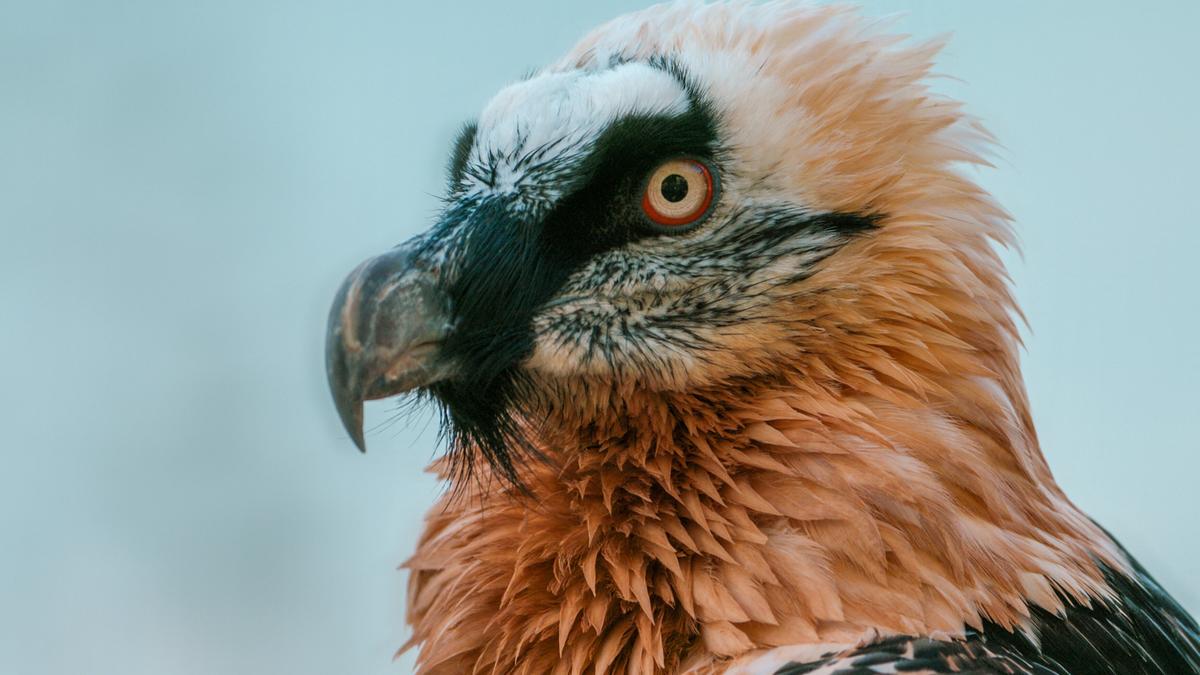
(728, 365)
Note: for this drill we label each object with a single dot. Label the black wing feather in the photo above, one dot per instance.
(1142, 632)
(923, 655)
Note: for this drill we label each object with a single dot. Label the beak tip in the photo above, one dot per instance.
(350, 410)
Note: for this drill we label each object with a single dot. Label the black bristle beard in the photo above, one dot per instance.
(481, 423)
(506, 269)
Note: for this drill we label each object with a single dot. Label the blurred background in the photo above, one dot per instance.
(183, 185)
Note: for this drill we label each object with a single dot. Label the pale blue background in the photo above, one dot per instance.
(184, 184)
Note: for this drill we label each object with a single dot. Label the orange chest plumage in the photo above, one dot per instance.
(771, 527)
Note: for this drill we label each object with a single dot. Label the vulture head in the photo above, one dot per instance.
(678, 210)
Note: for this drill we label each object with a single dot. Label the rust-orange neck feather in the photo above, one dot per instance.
(855, 492)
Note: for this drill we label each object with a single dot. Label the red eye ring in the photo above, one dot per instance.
(692, 189)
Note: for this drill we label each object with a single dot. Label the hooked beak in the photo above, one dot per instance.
(384, 335)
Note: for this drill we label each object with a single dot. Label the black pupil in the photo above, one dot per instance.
(674, 188)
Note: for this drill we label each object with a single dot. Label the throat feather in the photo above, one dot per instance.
(686, 533)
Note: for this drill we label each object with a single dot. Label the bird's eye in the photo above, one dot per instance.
(678, 193)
